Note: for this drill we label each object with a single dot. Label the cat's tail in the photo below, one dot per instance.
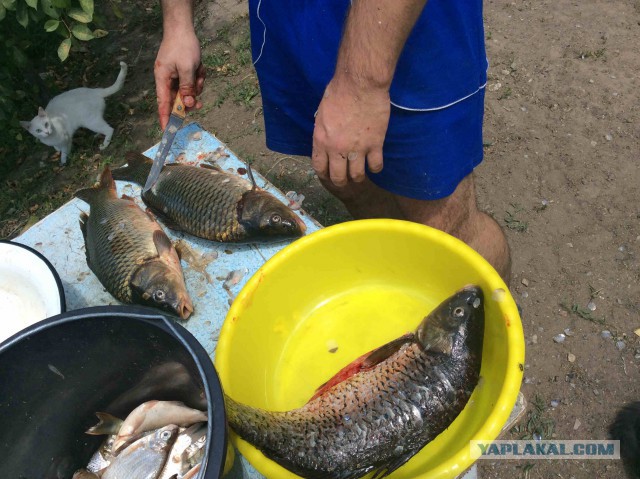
(626, 428)
(117, 86)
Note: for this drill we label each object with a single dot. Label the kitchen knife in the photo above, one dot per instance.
(175, 122)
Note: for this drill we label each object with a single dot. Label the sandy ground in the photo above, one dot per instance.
(560, 174)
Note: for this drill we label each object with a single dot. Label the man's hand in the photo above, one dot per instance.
(350, 127)
(353, 116)
(178, 66)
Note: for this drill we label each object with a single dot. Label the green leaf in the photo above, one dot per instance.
(80, 15)
(49, 9)
(19, 58)
(35, 15)
(9, 4)
(63, 49)
(82, 32)
(61, 3)
(22, 15)
(100, 33)
(3, 12)
(32, 3)
(87, 6)
(51, 25)
(116, 10)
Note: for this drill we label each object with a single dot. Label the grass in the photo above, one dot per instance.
(511, 220)
(154, 133)
(537, 423)
(581, 312)
(244, 92)
(595, 54)
(506, 93)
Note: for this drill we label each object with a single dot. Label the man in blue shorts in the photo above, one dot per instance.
(385, 96)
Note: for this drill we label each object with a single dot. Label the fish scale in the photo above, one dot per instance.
(191, 192)
(378, 418)
(211, 203)
(128, 251)
(127, 248)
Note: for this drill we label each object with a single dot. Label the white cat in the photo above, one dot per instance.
(79, 108)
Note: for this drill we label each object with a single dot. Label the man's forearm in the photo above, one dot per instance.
(374, 35)
(177, 16)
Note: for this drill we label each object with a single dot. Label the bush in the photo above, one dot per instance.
(33, 33)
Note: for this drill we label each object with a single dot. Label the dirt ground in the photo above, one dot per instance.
(560, 174)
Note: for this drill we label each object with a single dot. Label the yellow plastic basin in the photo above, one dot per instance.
(355, 286)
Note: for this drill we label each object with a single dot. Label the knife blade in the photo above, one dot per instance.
(178, 114)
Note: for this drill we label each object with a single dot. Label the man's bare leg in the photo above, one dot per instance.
(456, 214)
(365, 200)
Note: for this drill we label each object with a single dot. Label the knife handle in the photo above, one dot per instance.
(178, 107)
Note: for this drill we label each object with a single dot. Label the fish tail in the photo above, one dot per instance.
(248, 422)
(106, 183)
(137, 168)
(107, 424)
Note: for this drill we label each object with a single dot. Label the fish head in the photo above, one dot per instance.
(156, 284)
(162, 439)
(457, 323)
(264, 215)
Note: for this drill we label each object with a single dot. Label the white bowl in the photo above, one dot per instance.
(30, 288)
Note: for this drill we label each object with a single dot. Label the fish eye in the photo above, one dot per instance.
(276, 219)
(458, 312)
(158, 295)
(165, 435)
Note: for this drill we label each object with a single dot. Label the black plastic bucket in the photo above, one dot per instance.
(57, 373)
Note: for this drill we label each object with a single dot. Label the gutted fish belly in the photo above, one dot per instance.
(211, 203)
(379, 411)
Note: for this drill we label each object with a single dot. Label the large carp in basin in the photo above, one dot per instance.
(211, 203)
(379, 411)
(129, 253)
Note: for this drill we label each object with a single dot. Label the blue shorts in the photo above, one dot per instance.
(434, 138)
(426, 153)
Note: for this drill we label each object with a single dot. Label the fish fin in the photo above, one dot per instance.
(383, 352)
(210, 166)
(83, 224)
(106, 180)
(83, 227)
(390, 467)
(137, 168)
(107, 424)
(162, 242)
(364, 362)
(105, 183)
(251, 178)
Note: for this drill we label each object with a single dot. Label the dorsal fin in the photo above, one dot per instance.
(251, 178)
(106, 179)
(210, 166)
(365, 362)
(106, 183)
